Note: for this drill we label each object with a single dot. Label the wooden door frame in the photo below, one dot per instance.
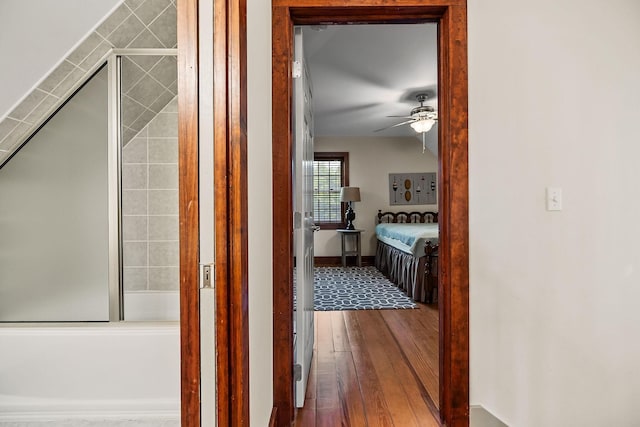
(187, 32)
(453, 283)
(231, 218)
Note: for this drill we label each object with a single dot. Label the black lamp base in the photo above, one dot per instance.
(350, 215)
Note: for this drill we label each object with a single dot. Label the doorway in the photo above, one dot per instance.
(365, 81)
(453, 194)
(229, 67)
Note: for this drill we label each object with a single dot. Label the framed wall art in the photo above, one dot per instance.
(413, 188)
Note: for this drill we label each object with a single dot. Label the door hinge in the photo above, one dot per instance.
(297, 372)
(206, 275)
(297, 69)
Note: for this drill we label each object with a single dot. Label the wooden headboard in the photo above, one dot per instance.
(406, 217)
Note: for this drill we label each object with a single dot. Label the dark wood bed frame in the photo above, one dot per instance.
(426, 277)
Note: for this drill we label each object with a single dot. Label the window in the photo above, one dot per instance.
(330, 172)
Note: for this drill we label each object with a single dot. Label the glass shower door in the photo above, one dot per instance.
(149, 210)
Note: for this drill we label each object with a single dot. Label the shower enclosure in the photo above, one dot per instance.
(89, 203)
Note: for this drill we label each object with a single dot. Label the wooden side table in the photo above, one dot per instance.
(355, 235)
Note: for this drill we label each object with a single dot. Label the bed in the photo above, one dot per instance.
(407, 251)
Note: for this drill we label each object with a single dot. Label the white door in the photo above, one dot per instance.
(303, 220)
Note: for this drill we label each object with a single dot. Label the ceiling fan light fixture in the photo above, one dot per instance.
(423, 125)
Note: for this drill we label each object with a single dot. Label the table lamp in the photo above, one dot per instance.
(349, 195)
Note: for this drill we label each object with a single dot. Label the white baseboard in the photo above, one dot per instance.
(480, 417)
(23, 411)
(125, 421)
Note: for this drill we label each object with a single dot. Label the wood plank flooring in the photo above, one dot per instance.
(373, 368)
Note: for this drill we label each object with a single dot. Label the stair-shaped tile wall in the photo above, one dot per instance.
(135, 24)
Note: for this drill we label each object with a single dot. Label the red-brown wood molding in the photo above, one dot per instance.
(188, 211)
(451, 15)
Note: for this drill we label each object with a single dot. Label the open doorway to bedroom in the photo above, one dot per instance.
(451, 187)
(372, 88)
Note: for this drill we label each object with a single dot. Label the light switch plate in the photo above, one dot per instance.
(554, 198)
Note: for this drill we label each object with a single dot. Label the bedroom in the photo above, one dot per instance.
(359, 76)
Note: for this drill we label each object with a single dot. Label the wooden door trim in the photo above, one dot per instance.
(230, 192)
(453, 184)
(187, 32)
(231, 215)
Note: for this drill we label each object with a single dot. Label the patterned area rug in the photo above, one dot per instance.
(356, 288)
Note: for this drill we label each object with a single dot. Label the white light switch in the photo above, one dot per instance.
(554, 199)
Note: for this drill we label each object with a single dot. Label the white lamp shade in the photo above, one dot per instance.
(350, 194)
(422, 126)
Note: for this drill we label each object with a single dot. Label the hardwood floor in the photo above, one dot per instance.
(373, 368)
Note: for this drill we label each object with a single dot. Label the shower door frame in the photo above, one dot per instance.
(116, 283)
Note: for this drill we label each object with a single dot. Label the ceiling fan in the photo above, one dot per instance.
(421, 118)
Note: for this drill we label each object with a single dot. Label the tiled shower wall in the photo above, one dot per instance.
(150, 205)
(134, 24)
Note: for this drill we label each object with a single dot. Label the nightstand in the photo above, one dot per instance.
(354, 236)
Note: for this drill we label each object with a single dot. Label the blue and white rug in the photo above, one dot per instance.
(356, 288)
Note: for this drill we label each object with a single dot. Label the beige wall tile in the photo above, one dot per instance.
(126, 32)
(85, 48)
(58, 75)
(128, 134)
(133, 4)
(142, 120)
(163, 202)
(131, 74)
(164, 27)
(161, 102)
(134, 177)
(146, 40)
(17, 136)
(134, 202)
(28, 105)
(163, 150)
(163, 177)
(113, 21)
(150, 9)
(134, 227)
(163, 228)
(134, 254)
(73, 78)
(6, 127)
(165, 71)
(48, 104)
(146, 62)
(135, 279)
(131, 110)
(164, 254)
(164, 125)
(135, 151)
(164, 278)
(95, 56)
(146, 90)
(172, 106)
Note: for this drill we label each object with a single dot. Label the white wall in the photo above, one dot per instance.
(260, 217)
(371, 160)
(36, 35)
(554, 100)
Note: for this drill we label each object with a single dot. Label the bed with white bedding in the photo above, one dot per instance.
(406, 250)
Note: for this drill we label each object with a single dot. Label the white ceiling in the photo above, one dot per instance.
(36, 35)
(363, 73)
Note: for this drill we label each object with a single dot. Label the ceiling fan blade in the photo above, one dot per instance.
(396, 125)
(401, 117)
(352, 109)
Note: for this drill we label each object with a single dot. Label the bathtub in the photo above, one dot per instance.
(121, 371)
